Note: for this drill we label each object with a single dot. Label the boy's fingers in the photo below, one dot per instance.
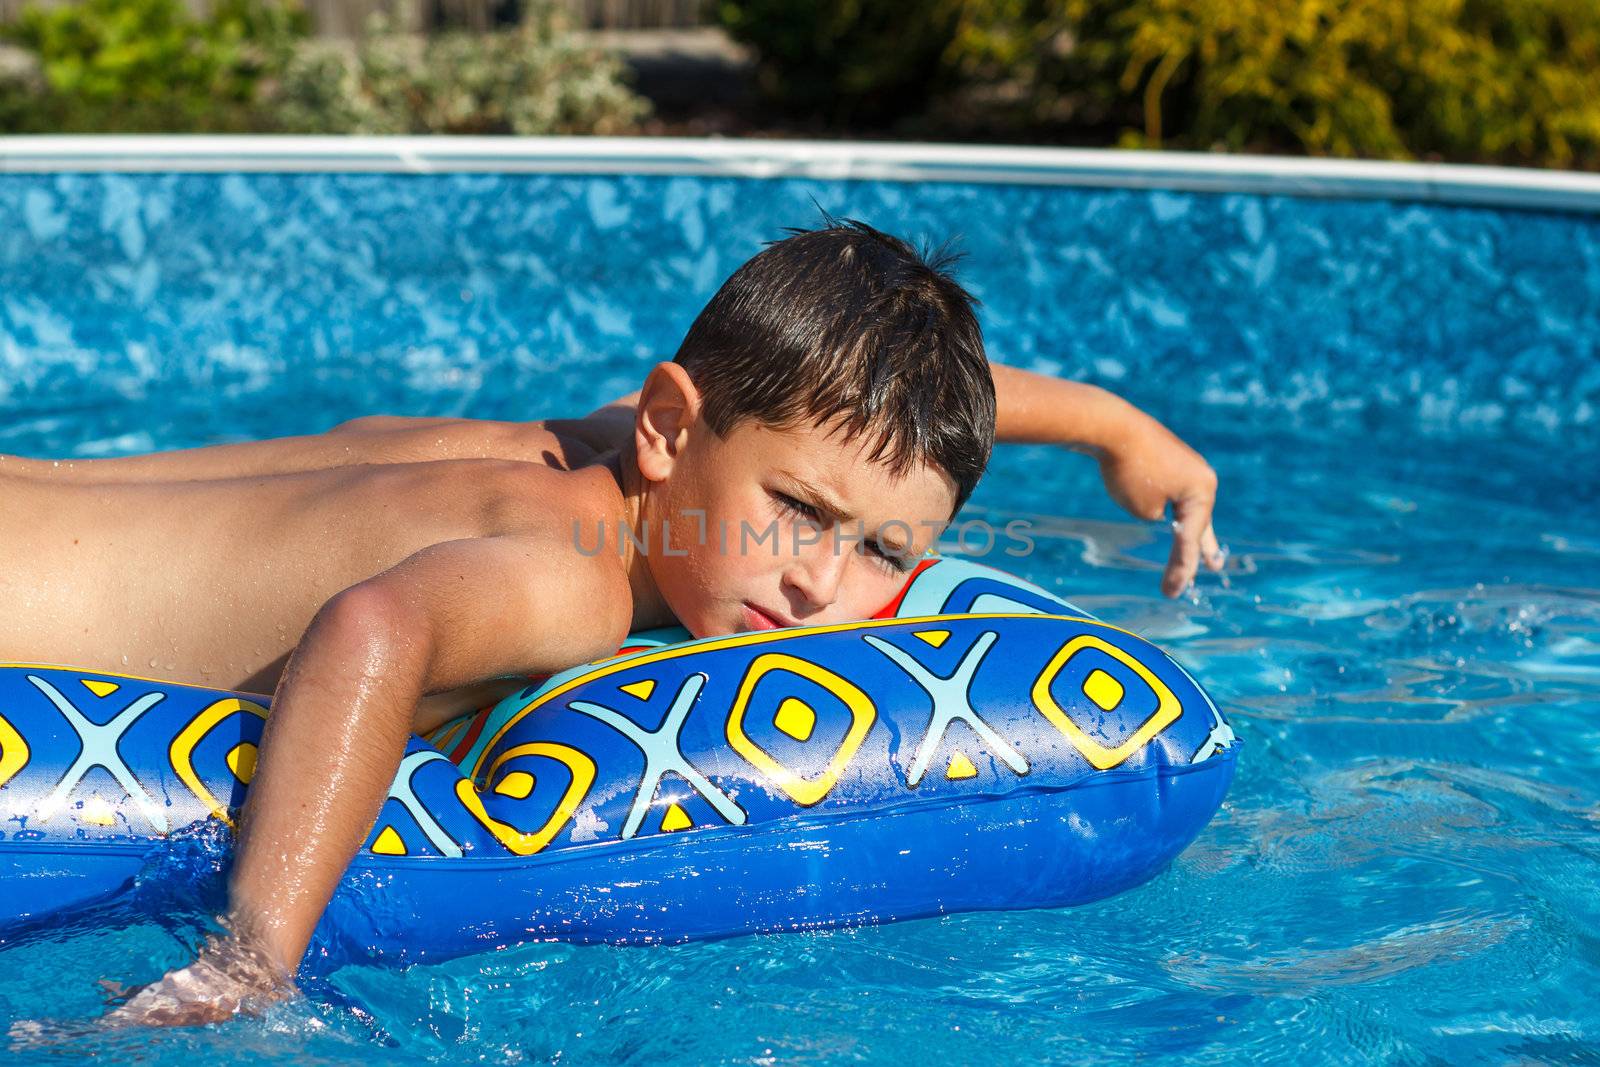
(115, 992)
(1182, 563)
(1210, 550)
(1191, 522)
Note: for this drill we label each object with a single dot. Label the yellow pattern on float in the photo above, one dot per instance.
(676, 819)
(960, 768)
(522, 842)
(181, 752)
(632, 661)
(796, 718)
(389, 843)
(1099, 756)
(863, 713)
(518, 785)
(641, 689)
(242, 761)
(13, 751)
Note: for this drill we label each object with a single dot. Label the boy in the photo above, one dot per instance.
(837, 380)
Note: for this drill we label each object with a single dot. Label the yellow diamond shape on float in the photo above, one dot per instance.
(520, 840)
(803, 790)
(242, 761)
(1103, 689)
(795, 718)
(518, 785)
(936, 638)
(181, 752)
(98, 813)
(1102, 758)
(13, 751)
(99, 689)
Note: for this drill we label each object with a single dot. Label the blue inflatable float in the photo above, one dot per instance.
(980, 745)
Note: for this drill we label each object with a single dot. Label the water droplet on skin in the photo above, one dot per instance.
(124, 661)
(152, 663)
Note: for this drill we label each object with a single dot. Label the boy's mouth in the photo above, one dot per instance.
(757, 619)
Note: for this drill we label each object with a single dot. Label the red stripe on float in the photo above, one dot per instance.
(460, 751)
(894, 605)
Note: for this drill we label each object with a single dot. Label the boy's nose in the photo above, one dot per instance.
(815, 575)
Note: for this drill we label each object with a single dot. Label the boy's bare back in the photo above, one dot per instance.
(207, 566)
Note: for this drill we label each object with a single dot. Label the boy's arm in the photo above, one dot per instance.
(342, 445)
(1145, 466)
(450, 615)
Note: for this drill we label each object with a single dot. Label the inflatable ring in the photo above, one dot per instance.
(978, 745)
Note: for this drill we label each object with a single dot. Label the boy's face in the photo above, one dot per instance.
(800, 528)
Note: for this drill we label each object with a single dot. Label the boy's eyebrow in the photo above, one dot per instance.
(820, 498)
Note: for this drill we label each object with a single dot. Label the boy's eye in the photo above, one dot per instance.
(798, 507)
(895, 561)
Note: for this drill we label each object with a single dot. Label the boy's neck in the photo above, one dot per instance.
(649, 608)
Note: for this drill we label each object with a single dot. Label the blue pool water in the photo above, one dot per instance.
(1403, 404)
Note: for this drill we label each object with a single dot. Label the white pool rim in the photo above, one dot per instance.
(1438, 183)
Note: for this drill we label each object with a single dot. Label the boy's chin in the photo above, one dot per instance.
(712, 626)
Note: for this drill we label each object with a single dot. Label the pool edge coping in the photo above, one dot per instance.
(1437, 183)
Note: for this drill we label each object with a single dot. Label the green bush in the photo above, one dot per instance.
(124, 66)
(1469, 80)
(148, 65)
(534, 79)
(869, 61)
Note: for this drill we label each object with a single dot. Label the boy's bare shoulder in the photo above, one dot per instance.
(534, 496)
(561, 444)
(548, 527)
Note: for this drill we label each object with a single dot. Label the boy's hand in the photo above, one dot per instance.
(228, 978)
(1145, 465)
(1149, 468)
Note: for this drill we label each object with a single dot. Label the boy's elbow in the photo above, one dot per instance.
(609, 618)
(374, 626)
(617, 635)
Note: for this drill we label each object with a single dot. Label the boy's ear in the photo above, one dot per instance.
(669, 404)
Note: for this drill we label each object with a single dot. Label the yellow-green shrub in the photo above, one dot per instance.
(1472, 80)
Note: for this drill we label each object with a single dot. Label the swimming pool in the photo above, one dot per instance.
(1396, 377)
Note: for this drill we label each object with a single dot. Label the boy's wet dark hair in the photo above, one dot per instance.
(850, 323)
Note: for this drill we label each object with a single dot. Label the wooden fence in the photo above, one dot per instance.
(344, 18)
